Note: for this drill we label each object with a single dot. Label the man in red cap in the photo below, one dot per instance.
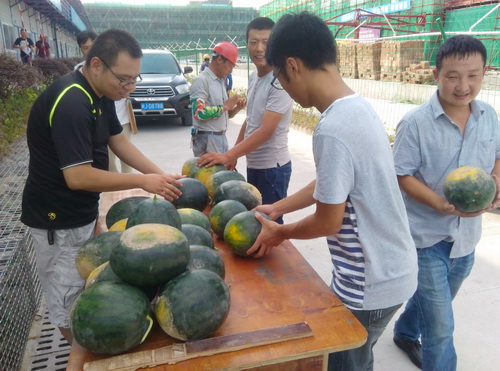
(211, 106)
(42, 47)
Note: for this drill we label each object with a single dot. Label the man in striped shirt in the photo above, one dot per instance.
(359, 207)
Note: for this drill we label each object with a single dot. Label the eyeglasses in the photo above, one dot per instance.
(123, 83)
(275, 83)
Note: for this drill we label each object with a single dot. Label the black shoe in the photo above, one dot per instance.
(413, 350)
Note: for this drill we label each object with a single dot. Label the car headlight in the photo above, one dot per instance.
(183, 88)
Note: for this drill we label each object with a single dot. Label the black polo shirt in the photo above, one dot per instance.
(68, 125)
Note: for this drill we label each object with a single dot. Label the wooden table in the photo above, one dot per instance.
(279, 289)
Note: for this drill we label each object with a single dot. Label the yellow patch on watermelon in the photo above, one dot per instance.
(144, 236)
(165, 318)
(236, 233)
(463, 172)
(93, 275)
(120, 225)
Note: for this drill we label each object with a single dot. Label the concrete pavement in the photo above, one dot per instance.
(476, 306)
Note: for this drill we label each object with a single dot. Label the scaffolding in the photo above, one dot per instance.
(182, 29)
(426, 20)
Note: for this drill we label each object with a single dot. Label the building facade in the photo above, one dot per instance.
(59, 20)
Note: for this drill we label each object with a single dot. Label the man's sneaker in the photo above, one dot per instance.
(413, 350)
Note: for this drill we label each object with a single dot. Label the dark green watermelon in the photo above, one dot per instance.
(197, 235)
(202, 257)
(194, 195)
(150, 254)
(470, 189)
(196, 217)
(217, 179)
(193, 305)
(95, 252)
(238, 190)
(222, 212)
(110, 318)
(242, 231)
(122, 209)
(155, 210)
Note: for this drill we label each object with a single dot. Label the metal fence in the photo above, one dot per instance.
(20, 291)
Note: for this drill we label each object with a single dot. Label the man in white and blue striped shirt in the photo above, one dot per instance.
(359, 207)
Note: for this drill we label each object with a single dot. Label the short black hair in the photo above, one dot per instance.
(84, 36)
(303, 36)
(460, 46)
(260, 23)
(110, 43)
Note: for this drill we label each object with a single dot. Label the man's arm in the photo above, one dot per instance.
(496, 175)
(244, 146)
(299, 200)
(153, 180)
(325, 221)
(423, 194)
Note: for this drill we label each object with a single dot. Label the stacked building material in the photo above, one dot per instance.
(347, 60)
(419, 73)
(396, 56)
(368, 58)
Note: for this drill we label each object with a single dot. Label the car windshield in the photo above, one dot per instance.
(159, 64)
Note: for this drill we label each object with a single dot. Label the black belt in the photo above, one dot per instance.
(211, 132)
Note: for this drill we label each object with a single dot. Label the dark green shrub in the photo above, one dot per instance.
(15, 76)
(51, 69)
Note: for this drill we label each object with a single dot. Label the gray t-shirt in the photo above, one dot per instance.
(212, 90)
(374, 257)
(263, 97)
(428, 146)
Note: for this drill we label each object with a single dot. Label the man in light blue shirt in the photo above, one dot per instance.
(451, 130)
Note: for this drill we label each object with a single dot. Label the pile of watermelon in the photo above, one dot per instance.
(158, 261)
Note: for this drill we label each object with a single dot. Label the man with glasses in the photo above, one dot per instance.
(358, 204)
(70, 126)
(212, 108)
(263, 137)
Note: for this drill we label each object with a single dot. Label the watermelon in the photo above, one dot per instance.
(193, 305)
(217, 179)
(194, 195)
(100, 274)
(202, 257)
(110, 318)
(203, 173)
(241, 191)
(196, 217)
(470, 189)
(189, 165)
(197, 235)
(95, 252)
(150, 254)
(242, 231)
(155, 210)
(122, 209)
(222, 212)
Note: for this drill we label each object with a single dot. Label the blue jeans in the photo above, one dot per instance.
(361, 359)
(429, 312)
(272, 183)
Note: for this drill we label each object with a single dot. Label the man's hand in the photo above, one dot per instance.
(211, 158)
(269, 236)
(269, 210)
(231, 103)
(163, 185)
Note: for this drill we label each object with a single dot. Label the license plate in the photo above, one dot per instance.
(151, 106)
